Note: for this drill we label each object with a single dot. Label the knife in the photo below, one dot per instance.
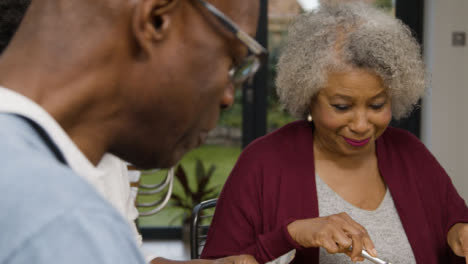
(367, 256)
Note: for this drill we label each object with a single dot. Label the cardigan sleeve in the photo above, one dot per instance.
(442, 202)
(238, 226)
(452, 207)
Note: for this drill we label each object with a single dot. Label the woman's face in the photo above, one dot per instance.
(350, 112)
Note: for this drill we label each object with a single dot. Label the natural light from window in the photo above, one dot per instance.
(309, 4)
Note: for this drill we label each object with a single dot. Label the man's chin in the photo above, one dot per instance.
(172, 159)
(165, 160)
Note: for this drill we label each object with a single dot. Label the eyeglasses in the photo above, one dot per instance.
(258, 54)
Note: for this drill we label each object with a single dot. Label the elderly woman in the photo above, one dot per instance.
(343, 180)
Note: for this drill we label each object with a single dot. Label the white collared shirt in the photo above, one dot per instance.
(110, 177)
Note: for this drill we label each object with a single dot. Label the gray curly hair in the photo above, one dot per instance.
(340, 35)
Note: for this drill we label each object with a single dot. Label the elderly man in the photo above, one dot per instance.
(110, 177)
(142, 79)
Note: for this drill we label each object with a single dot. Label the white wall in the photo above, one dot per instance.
(445, 109)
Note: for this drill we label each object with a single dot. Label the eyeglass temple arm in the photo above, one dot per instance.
(256, 48)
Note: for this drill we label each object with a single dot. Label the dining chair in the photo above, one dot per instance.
(202, 215)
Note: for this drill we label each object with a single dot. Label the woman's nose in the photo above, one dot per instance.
(360, 123)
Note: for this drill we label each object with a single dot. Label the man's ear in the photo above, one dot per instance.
(151, 21)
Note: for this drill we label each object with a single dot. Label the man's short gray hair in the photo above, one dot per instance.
(338, 36)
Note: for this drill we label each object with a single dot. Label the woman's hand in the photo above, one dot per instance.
(457, 239)
(336, 233)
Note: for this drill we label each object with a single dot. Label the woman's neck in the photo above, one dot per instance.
(350, 161)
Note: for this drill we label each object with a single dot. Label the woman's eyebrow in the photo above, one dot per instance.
(341, 96)
(381, 94)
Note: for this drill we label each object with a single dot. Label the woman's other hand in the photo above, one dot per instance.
(457, 239)
(336, 233)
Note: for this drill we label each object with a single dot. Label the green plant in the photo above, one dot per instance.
(193, 196)
(386, 5)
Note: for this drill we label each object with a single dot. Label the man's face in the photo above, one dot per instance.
(178, 100)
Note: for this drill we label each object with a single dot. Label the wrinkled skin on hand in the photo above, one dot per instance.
(336, 233)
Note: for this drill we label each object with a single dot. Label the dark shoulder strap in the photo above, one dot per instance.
(47, 140)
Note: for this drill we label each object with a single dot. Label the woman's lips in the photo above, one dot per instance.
(357, 143)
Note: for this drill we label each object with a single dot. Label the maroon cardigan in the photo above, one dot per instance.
(273, 184)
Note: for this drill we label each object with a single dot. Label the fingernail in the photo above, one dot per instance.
(374, 252)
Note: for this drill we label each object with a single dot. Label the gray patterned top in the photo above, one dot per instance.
(383, 225)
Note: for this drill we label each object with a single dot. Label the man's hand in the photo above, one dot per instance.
(457, 238)
(336, 233)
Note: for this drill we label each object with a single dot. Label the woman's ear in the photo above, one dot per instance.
(151, 21)
(310, 109)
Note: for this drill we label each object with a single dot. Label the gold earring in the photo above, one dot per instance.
(309, 118)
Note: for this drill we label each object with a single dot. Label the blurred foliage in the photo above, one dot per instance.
(276, 116)
(386, 5)
(192, 196)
